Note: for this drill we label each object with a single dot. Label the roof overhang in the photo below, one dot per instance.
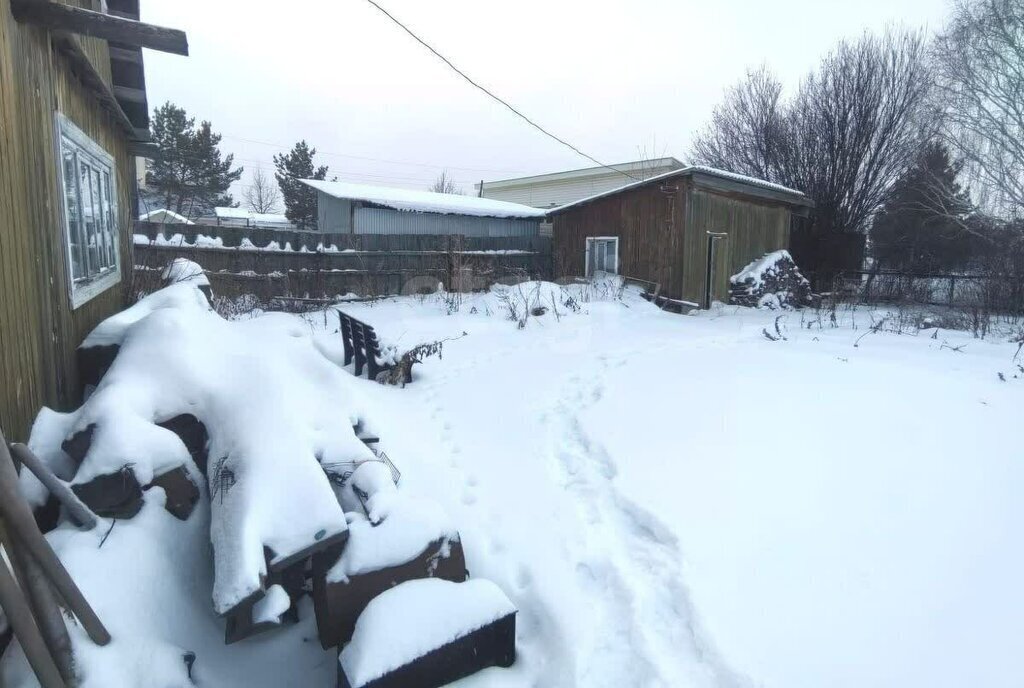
(125, 97)
(623, 169)
(705, 177)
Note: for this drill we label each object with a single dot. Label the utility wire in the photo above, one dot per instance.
(492, 95)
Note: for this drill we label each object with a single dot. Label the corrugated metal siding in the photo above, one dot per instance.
(39, 331)
(389, 221)
(548, 194)
(333, 214)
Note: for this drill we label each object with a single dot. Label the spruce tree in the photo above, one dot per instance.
(189, 177)
(921, 227)
(299, 199)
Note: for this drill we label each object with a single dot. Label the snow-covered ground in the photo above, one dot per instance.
(679, 501)
(670, 500)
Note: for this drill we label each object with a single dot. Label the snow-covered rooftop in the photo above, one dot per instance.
(424, 201)
(165, 215)
(225, 213)
(799, 196)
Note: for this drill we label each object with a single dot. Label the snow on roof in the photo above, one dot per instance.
(165, 215)
(424, 201)
(687, 171)
(225, 213)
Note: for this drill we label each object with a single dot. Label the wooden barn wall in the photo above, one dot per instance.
(753, 227)
(39, 331)
(647, 221)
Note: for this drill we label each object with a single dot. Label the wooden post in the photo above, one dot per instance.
(79, 512)
(20, 617)
(19, 520)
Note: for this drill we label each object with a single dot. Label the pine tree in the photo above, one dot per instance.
(189, 176)
(921, 227)
(299, 199)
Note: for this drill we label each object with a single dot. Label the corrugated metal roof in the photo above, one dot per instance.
(423, 201)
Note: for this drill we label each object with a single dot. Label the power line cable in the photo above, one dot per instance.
(495, 97)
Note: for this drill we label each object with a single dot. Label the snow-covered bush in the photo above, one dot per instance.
(772, 281)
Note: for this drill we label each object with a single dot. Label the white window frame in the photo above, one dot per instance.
(71, 138)
(591, 241)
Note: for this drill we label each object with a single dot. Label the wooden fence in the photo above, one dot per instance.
(269, 263)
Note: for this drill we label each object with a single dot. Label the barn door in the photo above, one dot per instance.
(712, 273)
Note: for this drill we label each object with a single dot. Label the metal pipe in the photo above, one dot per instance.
(18, 516)
(79, 512)
(20, 617)
(43, 602)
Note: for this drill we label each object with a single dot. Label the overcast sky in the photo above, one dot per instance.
(613, 78)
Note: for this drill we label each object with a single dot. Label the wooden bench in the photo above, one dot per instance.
(361, 345)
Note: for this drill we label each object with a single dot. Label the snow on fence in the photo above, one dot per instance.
(272, 263)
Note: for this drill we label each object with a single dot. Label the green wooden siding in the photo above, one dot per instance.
(39, 330)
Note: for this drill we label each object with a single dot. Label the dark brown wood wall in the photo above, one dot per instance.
(648, 222)
(662, 229)
(39, 330)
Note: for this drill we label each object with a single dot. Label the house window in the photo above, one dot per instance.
(90, 213)
(602, 255)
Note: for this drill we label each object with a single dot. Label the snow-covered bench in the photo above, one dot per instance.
(392, 537)
(428, 633)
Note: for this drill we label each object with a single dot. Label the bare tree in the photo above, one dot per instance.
(262, 195)
(746, 133)
(980, 89)
(852, 128)
(445, 184)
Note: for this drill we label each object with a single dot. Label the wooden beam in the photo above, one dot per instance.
(82, 65)
(59, 17)
(134, 95)
(125, 54)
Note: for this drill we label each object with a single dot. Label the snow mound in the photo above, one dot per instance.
(413, 618)
(772, 281)
(111, 331)
(274, 408)
(184, 270)
(409, 526)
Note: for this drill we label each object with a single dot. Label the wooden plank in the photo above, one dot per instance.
(59, 17)
(125, 54)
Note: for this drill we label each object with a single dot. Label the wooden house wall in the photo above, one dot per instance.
(39, 330)
(754, 227)
(647, 222)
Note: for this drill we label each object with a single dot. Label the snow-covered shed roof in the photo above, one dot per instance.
(165, 215)
(424, 201)
(225, 213)
(768, 188)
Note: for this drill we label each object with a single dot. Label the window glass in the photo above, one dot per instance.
(90, 207)
(75, 243)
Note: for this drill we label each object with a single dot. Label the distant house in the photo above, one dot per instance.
(360, 209)
(687, 230)
(73, 112)
(165, 216)
(240, 217)
(560, 188)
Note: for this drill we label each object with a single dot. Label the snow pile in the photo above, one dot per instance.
(274, 408)
(772, 281)
(406, 529)
(413, 618)
(424, 201)
(184, 270)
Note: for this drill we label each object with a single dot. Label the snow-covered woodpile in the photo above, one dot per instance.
(259, 420)
(771, 281)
